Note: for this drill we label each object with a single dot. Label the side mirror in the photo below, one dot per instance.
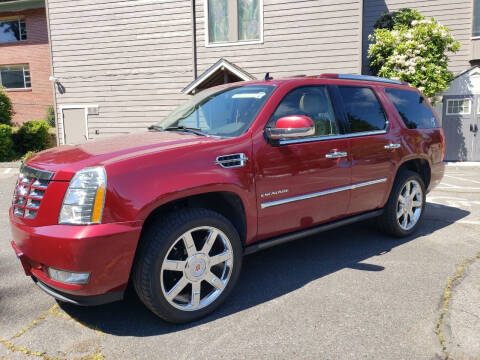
(291, 127)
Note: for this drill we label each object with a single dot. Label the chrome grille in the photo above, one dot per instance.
(29, 191)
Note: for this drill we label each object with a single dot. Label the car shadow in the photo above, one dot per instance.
(272, 273)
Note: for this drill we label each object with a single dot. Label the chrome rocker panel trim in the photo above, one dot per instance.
(321, 193)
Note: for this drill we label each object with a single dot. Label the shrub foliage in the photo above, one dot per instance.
(409, 47)
(6, 143)
(50, 116)
(32, 136)
(6, 108)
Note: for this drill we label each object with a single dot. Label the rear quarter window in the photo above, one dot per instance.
(412, 107)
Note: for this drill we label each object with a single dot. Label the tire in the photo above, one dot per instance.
(390, 222)
(168, 263)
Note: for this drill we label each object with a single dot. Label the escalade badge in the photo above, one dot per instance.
(272, 193)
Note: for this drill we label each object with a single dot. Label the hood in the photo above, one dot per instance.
(66, 160)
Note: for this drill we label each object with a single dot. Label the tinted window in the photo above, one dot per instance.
(412, 108)
(312, 101)
(12, 30)
(364, 112)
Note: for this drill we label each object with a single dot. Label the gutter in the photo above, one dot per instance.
(20, 5)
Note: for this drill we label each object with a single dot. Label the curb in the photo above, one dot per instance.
(11, 165)
(460, 164)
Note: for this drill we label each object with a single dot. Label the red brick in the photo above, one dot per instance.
(30, 104)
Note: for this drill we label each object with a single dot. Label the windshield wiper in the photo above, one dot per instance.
(195, 131)
(192, 130)
(155, 127)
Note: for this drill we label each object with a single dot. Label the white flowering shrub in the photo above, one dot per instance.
(409, 47)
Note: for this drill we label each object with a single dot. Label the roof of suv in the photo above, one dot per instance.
(331, 76)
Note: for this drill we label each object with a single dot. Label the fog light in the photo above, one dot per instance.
(68, 277)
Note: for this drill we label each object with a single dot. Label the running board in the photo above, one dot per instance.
(312, 231)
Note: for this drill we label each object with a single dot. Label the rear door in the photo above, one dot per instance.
(372, 146)
(298, 184)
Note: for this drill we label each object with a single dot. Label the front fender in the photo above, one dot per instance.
(137, 188)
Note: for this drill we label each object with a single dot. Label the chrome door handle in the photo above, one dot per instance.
(392, 146)
(336, 155)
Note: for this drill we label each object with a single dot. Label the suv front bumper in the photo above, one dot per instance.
(106, 251)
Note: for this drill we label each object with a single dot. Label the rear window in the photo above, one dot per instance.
(412, 108)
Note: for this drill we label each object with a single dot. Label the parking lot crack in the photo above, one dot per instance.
(447, 294)
(8, 344)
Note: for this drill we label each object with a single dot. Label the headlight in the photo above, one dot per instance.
(85, 196)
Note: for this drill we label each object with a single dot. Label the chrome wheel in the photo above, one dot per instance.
(197, 268)
(409, 204)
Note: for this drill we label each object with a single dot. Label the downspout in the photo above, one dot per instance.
(47, 14)
(194, 39)
(362, 10)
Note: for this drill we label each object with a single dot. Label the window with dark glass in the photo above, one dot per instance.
(412, 108)
(12, 30)
(312, 101)
(15, 76)
(364, 111)
(476, 18)
(231, 21)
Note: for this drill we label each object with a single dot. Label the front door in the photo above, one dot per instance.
(74, 126)
(460, 124)
(298, 183)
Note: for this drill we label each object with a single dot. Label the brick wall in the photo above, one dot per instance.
(30, 104)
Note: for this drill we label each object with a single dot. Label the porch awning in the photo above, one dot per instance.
(222, 72)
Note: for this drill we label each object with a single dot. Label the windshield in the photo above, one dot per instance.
(219, 112)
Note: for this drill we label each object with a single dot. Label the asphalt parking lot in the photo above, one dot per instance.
(345, 294)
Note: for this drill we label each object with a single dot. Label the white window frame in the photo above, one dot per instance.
(460, 113)
(25, 67)
(231, 43)
(19, 19)
(478, 106)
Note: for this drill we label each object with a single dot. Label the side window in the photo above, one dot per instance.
(312, 101)
(364, 111)
(412, 108)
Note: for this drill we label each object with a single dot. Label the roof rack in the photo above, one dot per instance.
(363, 78)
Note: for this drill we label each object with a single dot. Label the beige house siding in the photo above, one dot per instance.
(300, 37)
(455, 14)
(131, 58)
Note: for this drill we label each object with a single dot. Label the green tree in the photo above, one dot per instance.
(6, 108)
(409, 47)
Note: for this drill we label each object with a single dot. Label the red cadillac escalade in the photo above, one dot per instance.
(236, 169)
